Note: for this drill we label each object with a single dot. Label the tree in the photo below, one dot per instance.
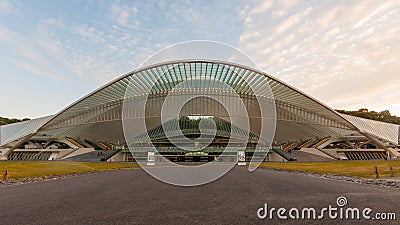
(5, 121)
(383, 116)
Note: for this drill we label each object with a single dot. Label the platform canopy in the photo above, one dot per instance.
(98, 115)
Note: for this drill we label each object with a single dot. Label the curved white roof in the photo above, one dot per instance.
(299, 115)
(384, 131)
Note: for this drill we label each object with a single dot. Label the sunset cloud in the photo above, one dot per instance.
(344, 53)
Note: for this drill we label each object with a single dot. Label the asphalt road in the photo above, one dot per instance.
(133, 197)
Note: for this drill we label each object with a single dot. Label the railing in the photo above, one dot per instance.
(320, 142)
(360, 155)
(289, 146)
(29, 156)
(104, 145)
(77, 144)
(94, 145)
(304, 144)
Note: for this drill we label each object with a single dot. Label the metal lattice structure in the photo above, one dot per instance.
(98, 115)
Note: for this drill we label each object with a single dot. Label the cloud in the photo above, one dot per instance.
(265, 6)
(332, 50)
(344, 53)
(6, 34)
(7, 7)
(36, 53)
(105, 53)
(124, 14)
(85, 43)
(135, 30)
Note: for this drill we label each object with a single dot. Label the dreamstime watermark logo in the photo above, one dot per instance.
(341, 201)
(203, 78)
(340, 211)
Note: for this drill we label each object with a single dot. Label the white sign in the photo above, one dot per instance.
(241, 155)
(150, 159)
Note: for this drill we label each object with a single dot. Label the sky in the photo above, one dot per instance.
(344, 53)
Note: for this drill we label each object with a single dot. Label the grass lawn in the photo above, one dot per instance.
(21, 169)
(350, 168)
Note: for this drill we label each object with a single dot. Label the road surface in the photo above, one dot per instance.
(134, 197)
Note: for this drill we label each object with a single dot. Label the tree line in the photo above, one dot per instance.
(384, 116)
(5, 121)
